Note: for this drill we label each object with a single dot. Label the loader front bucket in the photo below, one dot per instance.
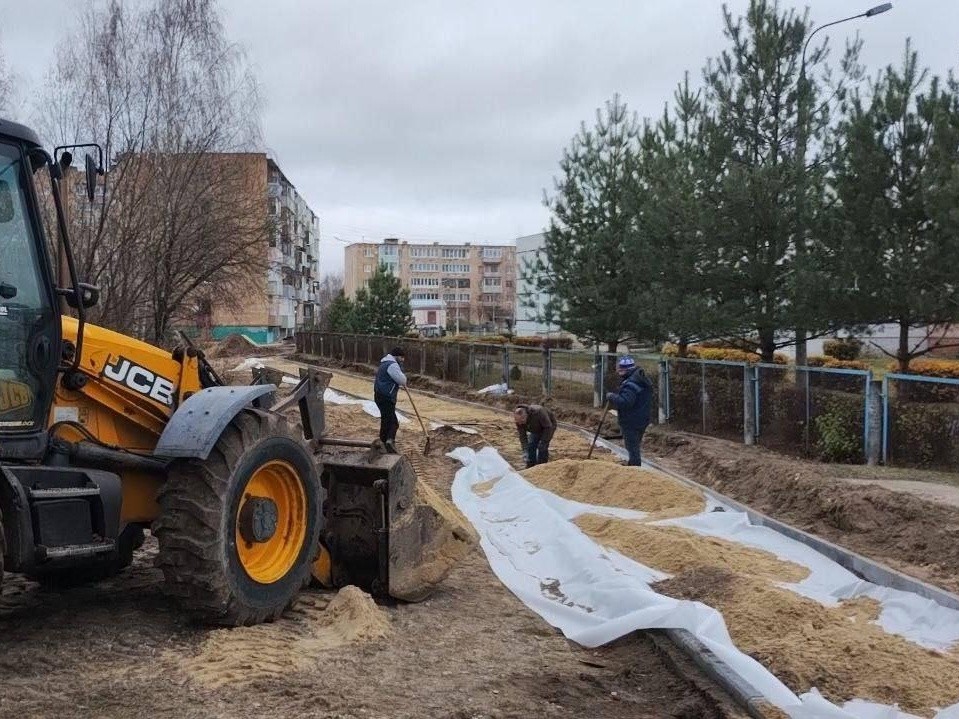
(386, 532)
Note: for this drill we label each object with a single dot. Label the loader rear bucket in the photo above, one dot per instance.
(386, 532)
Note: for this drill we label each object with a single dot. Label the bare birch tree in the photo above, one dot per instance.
(167, 95)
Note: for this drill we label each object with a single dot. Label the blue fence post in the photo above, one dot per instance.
(472, 361)
(865, 417)
(702, 394)
(599, 374)
(885, 420)
(547, 370)
(756, 398)
(663, 391)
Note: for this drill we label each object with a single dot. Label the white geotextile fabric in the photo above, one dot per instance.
(368, 405)
(595, 595)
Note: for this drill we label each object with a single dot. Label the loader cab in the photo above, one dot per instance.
(29, 315)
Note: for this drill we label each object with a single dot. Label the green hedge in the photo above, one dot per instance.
(924, 435)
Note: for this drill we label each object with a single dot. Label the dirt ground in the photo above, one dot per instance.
(906, 519)
(918, 535)
(121, 649)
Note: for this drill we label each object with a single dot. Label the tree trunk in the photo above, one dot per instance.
(903, 354)
(767, 345)
(802, 357)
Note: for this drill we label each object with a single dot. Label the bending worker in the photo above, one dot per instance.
(536, 426)
(632, 404)
(386, 386)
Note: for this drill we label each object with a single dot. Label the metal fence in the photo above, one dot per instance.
(835, 415)
(920, 421)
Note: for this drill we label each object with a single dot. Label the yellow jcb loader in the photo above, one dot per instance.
(103, 436)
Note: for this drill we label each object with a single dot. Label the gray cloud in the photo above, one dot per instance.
(446, 120)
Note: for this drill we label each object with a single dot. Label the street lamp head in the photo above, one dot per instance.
(879, 9)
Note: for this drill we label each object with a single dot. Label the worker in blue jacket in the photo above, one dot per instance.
(632, 404)
(386, 386)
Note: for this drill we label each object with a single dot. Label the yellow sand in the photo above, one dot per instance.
(612, 485)
(673, 550)
(293, 643)
(838, 650)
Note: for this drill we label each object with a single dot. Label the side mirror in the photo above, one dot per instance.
(90, 166)
(89, 296)
(6, 202)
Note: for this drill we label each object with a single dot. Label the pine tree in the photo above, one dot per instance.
(775, 271)
(383, 306)
(674, 205)
(585, 272)
(340, 315)
(898, 185)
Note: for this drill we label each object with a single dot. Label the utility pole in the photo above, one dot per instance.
(802, 126)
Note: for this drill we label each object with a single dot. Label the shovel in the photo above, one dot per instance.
(598, 428)
(426, 447)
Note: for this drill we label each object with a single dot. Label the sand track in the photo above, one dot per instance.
(121, 649)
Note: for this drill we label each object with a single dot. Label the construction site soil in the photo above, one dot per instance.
(839, 650)
(120, 648)
(911, 531)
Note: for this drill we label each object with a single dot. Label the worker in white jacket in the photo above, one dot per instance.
(386, 385)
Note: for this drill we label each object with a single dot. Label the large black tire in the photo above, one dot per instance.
(3, 547)
(197, 528)
(130, 539)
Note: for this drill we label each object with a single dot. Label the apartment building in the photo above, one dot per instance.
(285, 296)
(530, 302)
(460, 286)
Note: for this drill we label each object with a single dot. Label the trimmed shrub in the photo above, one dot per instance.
(846, 349)
(924, 435)
(835, 363)
(724, 354)
(564, 343)
(929, 391)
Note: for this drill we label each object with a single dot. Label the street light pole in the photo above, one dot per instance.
(802, 121)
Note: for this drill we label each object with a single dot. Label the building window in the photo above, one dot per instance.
(492, 253)
(455, 253)
(369, 252)
(367, 268)
(424, 267)
(425, 296)
(464, 297)
(456, 269)
(425, 282)
(491, 282)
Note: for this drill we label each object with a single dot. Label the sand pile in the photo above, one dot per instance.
(836, 649)
(612, 485)
(231, 345)
(315, 624)
(674, 550)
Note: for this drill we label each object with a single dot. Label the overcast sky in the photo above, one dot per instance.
(446, 120)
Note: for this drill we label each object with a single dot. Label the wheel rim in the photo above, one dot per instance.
(279, 483)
